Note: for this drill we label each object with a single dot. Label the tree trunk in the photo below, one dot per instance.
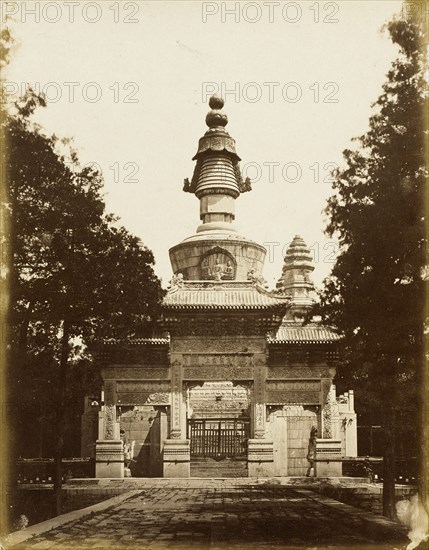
(62, 382)
(389, 509)
(23, 329)
(424, 446)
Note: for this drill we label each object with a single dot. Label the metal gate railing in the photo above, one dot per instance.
(218, 438)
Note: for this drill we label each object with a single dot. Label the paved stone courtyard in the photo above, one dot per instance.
(219, 515)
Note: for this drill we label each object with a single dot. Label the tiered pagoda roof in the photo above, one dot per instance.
(291, 332)
(220, 295)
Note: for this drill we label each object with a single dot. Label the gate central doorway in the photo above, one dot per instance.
(218, 437)
(218, 447)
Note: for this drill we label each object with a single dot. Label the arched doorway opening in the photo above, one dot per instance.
(218, 427)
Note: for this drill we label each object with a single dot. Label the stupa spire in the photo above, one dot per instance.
(217, 179)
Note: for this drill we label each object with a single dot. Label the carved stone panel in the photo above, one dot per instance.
(217, 373)
(218, 398)
(109, 421)
(217, 359)
(143, 393)
(110, 396)
(217, 264)
(176, 403)
(119, 372)
(291, 355)
(259, 383)
(259, 393)
(279, 373)
(294, 392)
(326, 386)
(293, 397)
(125, 386)
(294, 385)
(259, 420)
(144, 398)
(217, 345)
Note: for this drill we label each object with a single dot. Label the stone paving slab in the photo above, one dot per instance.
(221, 515)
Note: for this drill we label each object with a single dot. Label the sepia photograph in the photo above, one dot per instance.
(214, 274)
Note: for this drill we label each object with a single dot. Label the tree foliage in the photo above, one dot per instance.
(75, 276)
(68, 260)
(375, 293)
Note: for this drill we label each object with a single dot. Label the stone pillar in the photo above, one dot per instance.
(348, 424)
(176, 455)
(177, 458)
(258, 404)
(351, 427)
(109, 448)
(260, 457)
(277, 431)
(330, 416)
(328, 458)
(89, 428)
(176, 399)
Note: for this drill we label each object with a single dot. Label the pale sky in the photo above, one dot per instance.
(326, 62)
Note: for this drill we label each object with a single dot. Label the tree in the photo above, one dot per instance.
(375, 293)
(75, 275)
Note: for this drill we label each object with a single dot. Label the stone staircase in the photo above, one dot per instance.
(210, 468)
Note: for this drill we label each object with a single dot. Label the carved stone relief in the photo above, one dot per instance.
(227, 359)
(217, 373)
(118, 372)
(327, 413)
(109, 421)
(110, 392)
(293, 397)
(125, 386)
(218, 397)
(299, 372)
(176, 386)
(217, 264)
(216, 345)
(294, 385)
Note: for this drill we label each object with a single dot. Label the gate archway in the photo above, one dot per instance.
(218, 428)
(219, 438)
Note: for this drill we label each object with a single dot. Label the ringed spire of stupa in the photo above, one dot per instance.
(217, 172)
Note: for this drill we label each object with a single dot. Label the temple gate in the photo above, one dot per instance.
(238, 372)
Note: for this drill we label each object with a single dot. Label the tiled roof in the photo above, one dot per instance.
(294, 333)
(221, 295)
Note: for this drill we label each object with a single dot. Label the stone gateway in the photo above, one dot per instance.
(239, 375)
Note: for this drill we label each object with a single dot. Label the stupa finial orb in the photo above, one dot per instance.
(216, 118)
(216, 102)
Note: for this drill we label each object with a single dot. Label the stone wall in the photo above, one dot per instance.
(289, 427)
(143, 427)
